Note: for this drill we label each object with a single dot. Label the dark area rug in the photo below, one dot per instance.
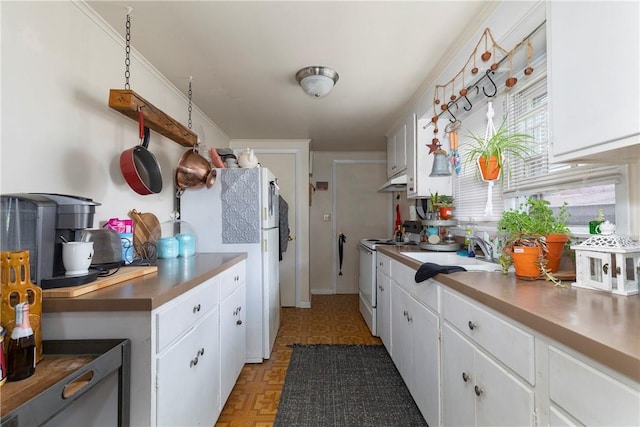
(345, 385)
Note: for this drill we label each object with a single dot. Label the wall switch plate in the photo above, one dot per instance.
(326, 217)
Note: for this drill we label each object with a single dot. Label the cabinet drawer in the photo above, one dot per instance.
(231, 279)
(589, 394)
(511, 345)
(426, 292)
(383, 264)
(176, 317)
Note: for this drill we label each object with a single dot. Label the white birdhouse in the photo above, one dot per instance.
(608, 262)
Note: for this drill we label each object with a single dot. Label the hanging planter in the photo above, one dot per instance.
(489, 168)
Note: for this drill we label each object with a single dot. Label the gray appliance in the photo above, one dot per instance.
(35, 222)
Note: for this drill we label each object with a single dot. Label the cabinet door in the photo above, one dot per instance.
(401, 149)
(501, 398)
(391, 155)
(585, 120)
(383, 320)
(233, 335)
(188, 377)
(425, 384)
(410, 149)
(458, 377)
(401, 344)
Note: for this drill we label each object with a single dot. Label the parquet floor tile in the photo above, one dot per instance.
(332, 319)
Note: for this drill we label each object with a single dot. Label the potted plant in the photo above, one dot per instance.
(443, 204)
(490, 154)
(535, 238)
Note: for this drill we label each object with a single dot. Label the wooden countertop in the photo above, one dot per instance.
(600, 325)
(145, 293)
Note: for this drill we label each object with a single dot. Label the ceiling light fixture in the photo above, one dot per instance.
(317, 81)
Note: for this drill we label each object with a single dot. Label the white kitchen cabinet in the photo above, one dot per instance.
(187, 376)
(415, 344)
(397, 151)
(419, 183)
(383, 310)
(476, 390)
(233, 339)
(588, 393)
(594, 80)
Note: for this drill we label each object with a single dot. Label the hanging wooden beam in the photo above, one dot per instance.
(127, 102)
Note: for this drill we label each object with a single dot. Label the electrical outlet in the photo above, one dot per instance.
(326, 217)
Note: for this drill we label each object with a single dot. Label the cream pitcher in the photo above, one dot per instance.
(247, 159)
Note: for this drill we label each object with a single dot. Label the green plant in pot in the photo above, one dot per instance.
(536, 237)
(489, 154)
(443, 204)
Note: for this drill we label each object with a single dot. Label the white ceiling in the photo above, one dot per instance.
(243, 57)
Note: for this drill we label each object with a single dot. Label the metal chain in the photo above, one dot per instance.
(127, 50)
(190, 95)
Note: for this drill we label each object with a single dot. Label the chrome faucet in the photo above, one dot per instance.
(485, 246)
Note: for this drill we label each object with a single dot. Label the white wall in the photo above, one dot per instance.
(59, 60)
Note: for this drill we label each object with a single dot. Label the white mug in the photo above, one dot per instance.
(76, 257)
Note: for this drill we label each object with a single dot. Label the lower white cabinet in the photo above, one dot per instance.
(415, 351)
(187, 377)
(580, 390)
(233, 339)
(476, 390)
(383, 310)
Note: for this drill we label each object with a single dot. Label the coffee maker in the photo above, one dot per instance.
(37, 222)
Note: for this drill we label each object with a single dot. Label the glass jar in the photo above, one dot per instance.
(177, 239)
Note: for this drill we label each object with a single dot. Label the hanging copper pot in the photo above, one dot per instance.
(193, 171)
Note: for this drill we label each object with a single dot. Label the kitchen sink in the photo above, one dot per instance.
(445, 258)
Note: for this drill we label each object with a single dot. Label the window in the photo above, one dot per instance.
(585, 187)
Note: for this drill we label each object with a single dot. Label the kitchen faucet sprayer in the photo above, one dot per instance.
(486, 247)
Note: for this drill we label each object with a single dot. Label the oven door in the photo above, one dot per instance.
(367, 277)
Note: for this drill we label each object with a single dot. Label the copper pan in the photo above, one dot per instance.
(193, 171)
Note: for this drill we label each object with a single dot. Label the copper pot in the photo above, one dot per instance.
(193, 171)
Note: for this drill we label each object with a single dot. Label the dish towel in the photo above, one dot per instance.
(283, 225)
(430, 269)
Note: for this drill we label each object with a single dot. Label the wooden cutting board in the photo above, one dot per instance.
(124, 274)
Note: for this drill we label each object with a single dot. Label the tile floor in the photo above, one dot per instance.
(332, 319)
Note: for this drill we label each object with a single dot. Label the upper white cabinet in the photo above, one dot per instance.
(397, 151)
(594, 80)
(420, 162)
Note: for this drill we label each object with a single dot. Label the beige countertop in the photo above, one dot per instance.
(173, 278)
(600, 325)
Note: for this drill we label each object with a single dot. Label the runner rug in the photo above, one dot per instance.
(345, 385)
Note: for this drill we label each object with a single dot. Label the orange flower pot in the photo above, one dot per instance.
(525, 261)
(445, 212)
(490, 171)
(555, 247)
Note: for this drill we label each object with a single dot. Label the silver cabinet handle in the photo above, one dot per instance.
(196, 308)
(472, 325)
(465, 377)
(239, 322)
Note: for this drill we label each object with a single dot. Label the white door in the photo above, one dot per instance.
(282, 165)
(360, 212)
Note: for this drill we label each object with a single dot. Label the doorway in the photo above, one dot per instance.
(360, 212)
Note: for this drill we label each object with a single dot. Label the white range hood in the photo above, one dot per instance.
(397, 183)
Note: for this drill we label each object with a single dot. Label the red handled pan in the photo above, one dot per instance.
(139, 166)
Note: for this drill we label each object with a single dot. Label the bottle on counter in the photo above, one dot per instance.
(21, 353)
(593, 224)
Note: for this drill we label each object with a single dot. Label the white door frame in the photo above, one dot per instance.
(334, 200)
(301, 189)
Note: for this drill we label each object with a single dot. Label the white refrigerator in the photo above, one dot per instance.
(239, 213)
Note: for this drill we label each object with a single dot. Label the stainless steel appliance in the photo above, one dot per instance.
(239, 213)
(35, 222)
